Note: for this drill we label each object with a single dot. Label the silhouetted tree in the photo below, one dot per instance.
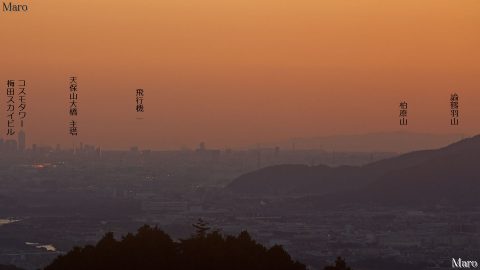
(339, 265)
(151, 248)
(201, 227)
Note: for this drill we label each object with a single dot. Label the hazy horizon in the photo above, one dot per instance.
(361, 142)
(239, 73)
(324, 128)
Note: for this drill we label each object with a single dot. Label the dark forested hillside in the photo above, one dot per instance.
(151, 248)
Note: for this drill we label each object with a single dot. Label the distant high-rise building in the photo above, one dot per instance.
(202, 147)
(259, 159)
(11, 146)
(21, 141)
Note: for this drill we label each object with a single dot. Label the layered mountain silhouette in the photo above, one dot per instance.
(447, 175)
(400, 142)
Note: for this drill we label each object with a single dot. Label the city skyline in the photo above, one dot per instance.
(318, 134)
(368, 142)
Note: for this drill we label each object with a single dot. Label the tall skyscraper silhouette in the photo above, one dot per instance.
(21, 141)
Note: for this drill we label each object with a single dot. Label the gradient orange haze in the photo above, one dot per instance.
(238, 72)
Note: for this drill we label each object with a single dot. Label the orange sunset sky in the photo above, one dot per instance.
(240, 72)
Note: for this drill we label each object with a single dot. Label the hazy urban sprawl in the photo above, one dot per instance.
(52, 199)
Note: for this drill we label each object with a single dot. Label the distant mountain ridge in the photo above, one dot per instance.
(399, 142)
(449, 174)
(293, 180)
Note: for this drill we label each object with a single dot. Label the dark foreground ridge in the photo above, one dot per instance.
(151, 248)
(448, 175)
